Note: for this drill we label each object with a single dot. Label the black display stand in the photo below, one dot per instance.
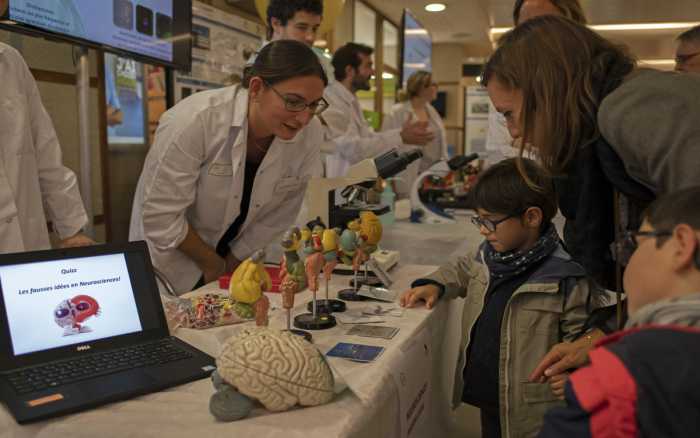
(327, 306)
(307, 321)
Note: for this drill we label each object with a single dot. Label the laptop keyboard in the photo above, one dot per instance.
(97, 364)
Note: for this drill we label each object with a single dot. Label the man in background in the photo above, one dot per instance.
(688, 51)
(351, 139)
(297, 20)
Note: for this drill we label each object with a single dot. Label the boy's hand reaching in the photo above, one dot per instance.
(557, 383)
(428, 293)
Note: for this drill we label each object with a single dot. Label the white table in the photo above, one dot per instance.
(371, 409)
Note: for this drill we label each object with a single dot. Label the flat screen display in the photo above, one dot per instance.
(56, 303)
(416, 47)
(158, 30)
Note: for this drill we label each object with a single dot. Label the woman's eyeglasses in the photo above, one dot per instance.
(297, 104)
(682, 59)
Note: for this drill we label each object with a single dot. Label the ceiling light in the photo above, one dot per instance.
(416, 32)
(643, 26)
(435, 7)
(386, 75)
(619, 27)
(657, 61)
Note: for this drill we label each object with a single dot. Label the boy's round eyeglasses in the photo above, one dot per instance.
(626, 243)
(489, 224)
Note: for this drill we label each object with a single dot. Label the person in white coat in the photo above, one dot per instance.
(350, 139)
(229, 167)
(34, 184)
(420, 91)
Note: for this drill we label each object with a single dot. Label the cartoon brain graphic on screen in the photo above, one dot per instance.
(72, 313)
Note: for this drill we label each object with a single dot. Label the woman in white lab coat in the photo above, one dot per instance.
(229, 167)
(420, 91)
(34, 184)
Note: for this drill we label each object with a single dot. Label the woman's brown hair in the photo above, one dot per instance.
(281, 60)
(564, 71)
(568, 8)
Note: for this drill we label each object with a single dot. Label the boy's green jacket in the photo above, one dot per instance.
(550, 307)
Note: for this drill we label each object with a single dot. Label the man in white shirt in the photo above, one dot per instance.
(350, 138)
(297, 20)
(34, 184)
(688, 51)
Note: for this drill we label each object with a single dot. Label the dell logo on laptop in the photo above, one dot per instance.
(82, 347)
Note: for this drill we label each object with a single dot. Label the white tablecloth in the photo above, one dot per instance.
(369, 409)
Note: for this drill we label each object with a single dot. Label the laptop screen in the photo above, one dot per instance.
(57, 303)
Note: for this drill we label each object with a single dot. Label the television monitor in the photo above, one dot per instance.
(154, 31)
(416, 47)
(440, 103)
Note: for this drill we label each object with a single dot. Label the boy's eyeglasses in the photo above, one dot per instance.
(626, 244)
(296, 104)
(489, 224)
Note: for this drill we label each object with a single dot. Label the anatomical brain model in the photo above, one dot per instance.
(279, 369)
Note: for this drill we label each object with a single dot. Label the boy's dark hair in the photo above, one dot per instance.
(680, 207)
(690, 35)
(348, 55)
(502, 189)
(284, 10)
(282, 60)
(570, 9)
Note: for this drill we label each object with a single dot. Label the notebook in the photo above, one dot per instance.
(81, 327)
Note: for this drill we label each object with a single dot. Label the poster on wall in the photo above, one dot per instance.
(125, 102)
(476, 120)
(221, 45)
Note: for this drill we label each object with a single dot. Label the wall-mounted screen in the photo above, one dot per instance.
(416, 47)
(154, 30)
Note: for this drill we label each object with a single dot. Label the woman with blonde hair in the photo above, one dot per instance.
(415, 105)
(598, 123)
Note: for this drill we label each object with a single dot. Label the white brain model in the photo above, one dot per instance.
(277, 368)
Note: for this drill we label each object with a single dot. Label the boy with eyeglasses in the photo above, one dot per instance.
(523, 294)
(644, 381)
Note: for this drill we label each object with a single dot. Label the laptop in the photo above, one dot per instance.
(81, 327)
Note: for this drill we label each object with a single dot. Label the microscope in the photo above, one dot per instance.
(337, 201)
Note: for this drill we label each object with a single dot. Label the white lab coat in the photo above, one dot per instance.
(194, 174)
(349, 137)
(432, 152)
(34, 184)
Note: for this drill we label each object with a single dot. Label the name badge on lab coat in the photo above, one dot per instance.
(292, 183)
(221, 169)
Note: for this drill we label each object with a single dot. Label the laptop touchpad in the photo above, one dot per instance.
(134, 381)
